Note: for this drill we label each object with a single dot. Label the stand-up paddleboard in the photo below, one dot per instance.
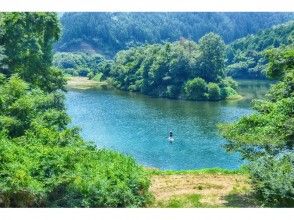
(171, 139)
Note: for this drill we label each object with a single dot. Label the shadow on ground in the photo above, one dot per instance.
(240, 201)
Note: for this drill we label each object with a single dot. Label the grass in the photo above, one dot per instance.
(236, 97)
(242, 170)
(78, 82)
(183, 201)
(201, 188)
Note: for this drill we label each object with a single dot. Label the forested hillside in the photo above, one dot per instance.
(107, 33)
(246, 57)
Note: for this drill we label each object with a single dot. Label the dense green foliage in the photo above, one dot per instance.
(34, 175)
(173, 70)
(82, 64)
(107, 33)
(44, 162)
(246, 56)
(266, 138)
(28, 48)
(32, 113)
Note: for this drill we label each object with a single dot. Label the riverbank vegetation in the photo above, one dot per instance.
(181, 69)
(82, 64)
(266, 138)
(43, 161)
(81, 55)
(78, 82)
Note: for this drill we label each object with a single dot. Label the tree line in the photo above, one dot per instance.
(244, 58)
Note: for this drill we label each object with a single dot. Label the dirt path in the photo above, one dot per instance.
(210, 190)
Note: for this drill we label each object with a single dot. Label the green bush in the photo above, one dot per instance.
(33, 175)
(98, 77)
(273, 180)
(214, 92)
(229, 82)
(227, 92)
(195, 89)
(71, 72)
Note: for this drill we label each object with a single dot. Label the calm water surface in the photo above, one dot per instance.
(138, 125)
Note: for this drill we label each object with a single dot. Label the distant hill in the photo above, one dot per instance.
(107, 33)
(246, 55)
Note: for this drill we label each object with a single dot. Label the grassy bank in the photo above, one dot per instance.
(84, 83)
(201, 188)
(154, 171)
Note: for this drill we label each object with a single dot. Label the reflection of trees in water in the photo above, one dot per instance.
(254, 88)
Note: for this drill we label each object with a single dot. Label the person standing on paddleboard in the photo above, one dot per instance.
(170, 138)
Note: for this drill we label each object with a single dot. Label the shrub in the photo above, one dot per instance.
(195, 89)
(97, 77)
(273, 180)
(33, 175)
(71, 72)
(227, 92)
(214, 92)
(229, 82)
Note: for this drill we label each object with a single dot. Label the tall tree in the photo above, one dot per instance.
(212, 58)
(28, 39)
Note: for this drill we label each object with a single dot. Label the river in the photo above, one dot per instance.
(138, 125)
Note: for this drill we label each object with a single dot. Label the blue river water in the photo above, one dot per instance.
(138, 126)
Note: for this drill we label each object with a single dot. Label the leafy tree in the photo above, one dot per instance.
(212, 58)
(28, 48)
(196, 89)
(81, 64)
(266, 138)
(213, 91)
(34, 113)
